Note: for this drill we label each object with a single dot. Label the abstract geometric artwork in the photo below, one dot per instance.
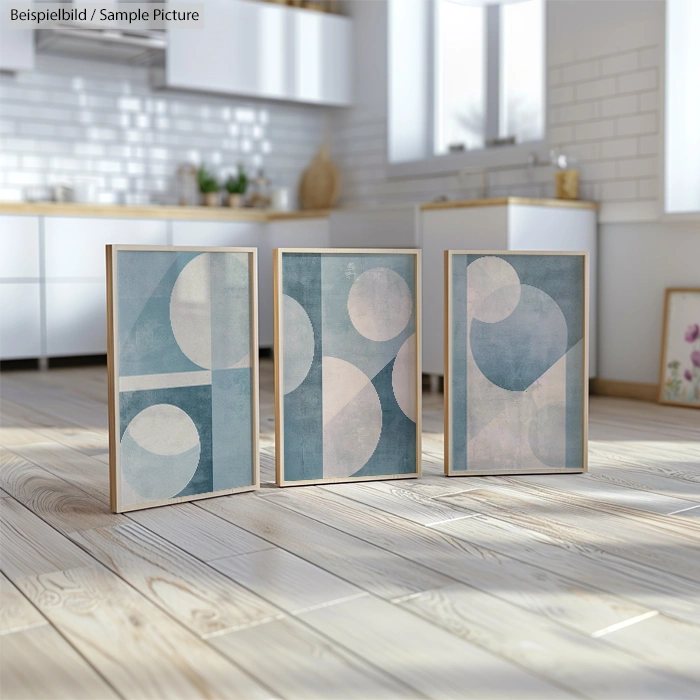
(183, 373)
(516, 363)
(347, 370)
(680, 351)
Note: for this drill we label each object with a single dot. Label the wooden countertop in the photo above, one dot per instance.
(503, 201)
(114, 211)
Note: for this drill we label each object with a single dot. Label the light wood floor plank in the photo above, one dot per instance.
(373, 569)
(38, 664)
(300, 663)
(199, 532)
(16, 612)
(30, 546)
(436, 663)
(136, 647)
(530, 587)
(286, 580)
(57, 407)
(415, 510)
(193, 593)
(59, 502)
(87, 473)
(546, 649)
(540, 565)
(651, 588)
(643, 481)
(634, 540)
(619, 498)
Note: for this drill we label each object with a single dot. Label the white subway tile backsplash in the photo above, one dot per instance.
(603, 170)
(614, 106)
(622, 63)
(594, 89)
(620, 190)
(640, 124)
(575, 113)
(559, 135)
(649, 101)
(637, 167)
(618, 148)
(650, 57)
(637, 81)
(561, 95)
(82, 119)
(648, 188)
(648, 145)
(594, 130)
(584, 70)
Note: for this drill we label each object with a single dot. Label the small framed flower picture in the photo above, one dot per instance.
(680, 349)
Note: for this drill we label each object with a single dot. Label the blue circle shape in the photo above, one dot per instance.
(515, 352)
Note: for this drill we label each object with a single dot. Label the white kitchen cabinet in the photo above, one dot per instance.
(243, 234)
(321, 58)
(246, 47)
(16, 45)
(75, 246)
(74, 252)
(509, 225)
(376, 227)
(20, 288)
(76, 318)
(71, 282)
(20, 320)
(19, 247)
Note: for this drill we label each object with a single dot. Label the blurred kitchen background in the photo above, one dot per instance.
(379, 119)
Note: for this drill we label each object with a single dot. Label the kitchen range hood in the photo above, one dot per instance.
(116, 42)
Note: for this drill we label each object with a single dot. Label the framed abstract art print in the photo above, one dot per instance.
(183, 373)
(516, 362)
(347, 365)
(679, 383)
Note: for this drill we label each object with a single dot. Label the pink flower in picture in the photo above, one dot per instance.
(693, 333)
(687, 374)
(695, 357)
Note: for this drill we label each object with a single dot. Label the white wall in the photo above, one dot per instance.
(637, 262)
(605, 83)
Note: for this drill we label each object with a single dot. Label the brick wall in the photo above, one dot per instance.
(71, 120)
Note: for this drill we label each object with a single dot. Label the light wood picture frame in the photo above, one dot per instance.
(183, 375)
(348, 364)
(516, 362)
(679, 369)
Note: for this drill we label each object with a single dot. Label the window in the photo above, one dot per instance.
(465, 77)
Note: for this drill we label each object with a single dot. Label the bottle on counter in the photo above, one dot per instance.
(260, 191)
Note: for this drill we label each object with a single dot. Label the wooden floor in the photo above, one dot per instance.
(536, 587)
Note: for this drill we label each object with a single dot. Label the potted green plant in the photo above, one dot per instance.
(236, 186)
(208, 186)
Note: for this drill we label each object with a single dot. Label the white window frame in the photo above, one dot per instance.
(488, 157)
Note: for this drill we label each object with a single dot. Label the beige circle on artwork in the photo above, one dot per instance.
(299, 343)
(208, 307)
(352, 418)
(380, 304)
(403, 378)
(485, 276)
(159, 452)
